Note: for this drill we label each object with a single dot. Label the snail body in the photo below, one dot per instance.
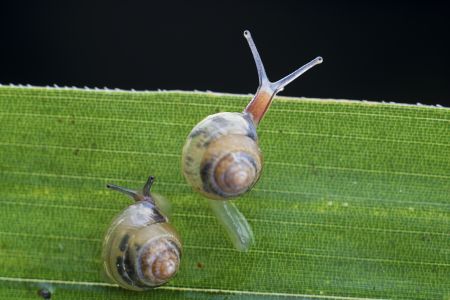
(221, 158)
(141, 250)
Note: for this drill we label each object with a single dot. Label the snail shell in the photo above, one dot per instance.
(221, 157)
(141, 250)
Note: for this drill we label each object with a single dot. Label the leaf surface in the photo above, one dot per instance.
(353, 201)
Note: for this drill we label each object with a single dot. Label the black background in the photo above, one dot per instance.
(395, 51)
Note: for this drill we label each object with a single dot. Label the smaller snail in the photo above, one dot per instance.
(221, 157)
(141, 250)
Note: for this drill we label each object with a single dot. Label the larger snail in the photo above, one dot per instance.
(141, 250)
(221, 158)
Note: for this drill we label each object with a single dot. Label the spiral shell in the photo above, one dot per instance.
(141, 250)
(221, 157)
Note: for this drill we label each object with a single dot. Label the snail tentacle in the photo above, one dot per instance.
(262, 76)
(144, 196)
(266, 89)
(280, 84)
(131, 193)
(148, 186)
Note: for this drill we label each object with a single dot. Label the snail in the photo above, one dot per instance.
(141, 250)
(221, 158)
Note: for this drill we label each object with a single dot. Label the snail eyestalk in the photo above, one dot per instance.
(280, 84)
(148, 186)
(133, 194)
(266, 89)
(262, 76)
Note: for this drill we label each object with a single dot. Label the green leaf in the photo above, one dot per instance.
(353, 201)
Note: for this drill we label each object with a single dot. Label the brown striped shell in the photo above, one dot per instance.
(141, 250)
(221, 158)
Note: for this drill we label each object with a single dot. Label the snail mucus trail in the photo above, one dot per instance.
(141, 250)
(221, 158)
